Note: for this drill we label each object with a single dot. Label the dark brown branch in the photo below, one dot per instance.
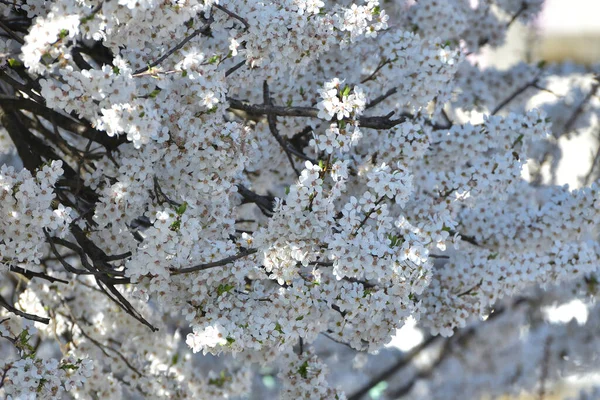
(381, 98)
(159, 193)
(368, 215)
(202, 30)
(545, 369)
(579, 110)
(272, 120)
(521, 10)
(382, 64)
(378, 122)
(389, 372)
(121, 301)
(20, 313)
(102, 348)
(20, 86)
(233, 15)
(234, 68)
(65, 122)
(520, 90)
(220, 263)
(11, 33)
(264, 203)
(595, 162)
(465, 238)
(422, 374)
(31, 274)
(11, 121)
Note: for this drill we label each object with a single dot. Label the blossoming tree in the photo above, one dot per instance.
(272, 181)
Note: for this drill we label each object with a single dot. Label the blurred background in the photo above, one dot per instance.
(566, 32)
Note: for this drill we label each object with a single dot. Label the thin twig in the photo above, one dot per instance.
(422, 374)
(579, 110)
(220, 263)
(381, 98)
(382, 64)
(514, 95)
(272, 120)
(23, 314)
(31, 274)
(234, 68)
(595, 162)
(545, 369)
(233, 15)
(398, 365)
(202, 30)
(11, 33)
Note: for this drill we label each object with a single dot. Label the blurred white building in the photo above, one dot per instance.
(569, 30)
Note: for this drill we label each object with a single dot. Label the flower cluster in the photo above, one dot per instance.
(27, 215)
(338, 102)
(304, 377)
(31, 377)
(250, 179)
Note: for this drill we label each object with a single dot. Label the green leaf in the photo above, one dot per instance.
(154, 93)
(518, 140)
(220, 381)
(287, 190)
(376, 10)
(175, 358)
(69, 366)
(214, 59)
(300, 318)
(303, 370)
(345, 91)
(394, 240)
(183, 73)
(41, 384)
(116, 70)
(278, 328)
(87, 18)
(63, 33)
(181, 209)
(224, 288)
(13, 63)
(175, 225)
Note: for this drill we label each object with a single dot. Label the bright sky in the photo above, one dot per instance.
(572, 16)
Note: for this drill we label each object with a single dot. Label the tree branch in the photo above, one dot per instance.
(202, 30)
(272, 120)
(378, 122)
(220, 263)
(233, 15)
(389, 372)
(31, 274)
(20, 313)
(579, 110)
